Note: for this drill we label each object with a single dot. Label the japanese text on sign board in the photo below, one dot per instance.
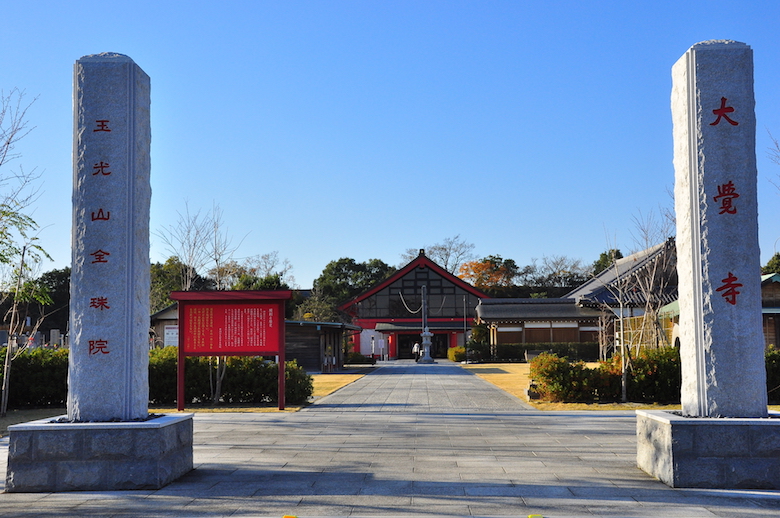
(232, 328)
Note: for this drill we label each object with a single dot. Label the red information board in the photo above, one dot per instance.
(231, 323)
(232, 329)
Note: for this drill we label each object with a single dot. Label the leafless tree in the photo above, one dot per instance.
(653, 282)
(774, 150)
(620, 288)
(259, 266)
(650, 283)
(18, 241)
(220, 249)
(25, 291)
(449, 254)
(201, 241)
(188, 240)
(560, 271)
(774, 155)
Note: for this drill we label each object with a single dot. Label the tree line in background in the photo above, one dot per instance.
(340, 281)
(202, 257)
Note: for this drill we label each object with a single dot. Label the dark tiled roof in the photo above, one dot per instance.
(604, 287)
(492, 310)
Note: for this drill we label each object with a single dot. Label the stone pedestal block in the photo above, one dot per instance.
(726, 453)
(45, 456)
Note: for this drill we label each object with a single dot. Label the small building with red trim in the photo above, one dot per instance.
(390, 313)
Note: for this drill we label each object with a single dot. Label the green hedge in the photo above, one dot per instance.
(654, 376)
(359, 359)
(586, 351)
(39, 378)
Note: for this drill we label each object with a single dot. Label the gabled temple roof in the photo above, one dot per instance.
(421, 261)
(602, 288)
(770, 277)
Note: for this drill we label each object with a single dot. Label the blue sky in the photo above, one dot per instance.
(361, 129)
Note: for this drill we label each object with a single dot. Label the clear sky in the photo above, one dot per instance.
(363, 128)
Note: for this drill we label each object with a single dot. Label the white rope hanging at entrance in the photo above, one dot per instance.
(444, 300)
(406, 306)
(442, 305)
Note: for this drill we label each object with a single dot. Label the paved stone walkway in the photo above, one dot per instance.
(409, 440)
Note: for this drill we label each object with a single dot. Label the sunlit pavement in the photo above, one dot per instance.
(409, 440)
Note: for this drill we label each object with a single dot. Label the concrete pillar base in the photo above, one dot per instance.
(46, 456)
(727, 453)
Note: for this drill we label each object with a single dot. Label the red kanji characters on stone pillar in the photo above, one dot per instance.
(726, 193)
(721, 113)
(101, 215)
(100, 256)
(98, 347)
(729, 289)
(102, 125)
(100, 303)
(100, 168)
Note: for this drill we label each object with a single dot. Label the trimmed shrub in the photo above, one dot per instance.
(456, 354)
(559, 380)
(655, 376)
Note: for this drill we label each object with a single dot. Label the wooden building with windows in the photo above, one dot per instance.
(529, 321)
(390, 313)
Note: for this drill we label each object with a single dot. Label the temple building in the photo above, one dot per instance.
(390, 313)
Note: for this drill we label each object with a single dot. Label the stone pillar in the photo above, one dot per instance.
(722, 346)
(109, 303)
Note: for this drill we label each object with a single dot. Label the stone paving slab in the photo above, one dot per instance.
(454, 446)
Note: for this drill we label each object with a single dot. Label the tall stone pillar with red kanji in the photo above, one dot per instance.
(721, 340)
(109, 303)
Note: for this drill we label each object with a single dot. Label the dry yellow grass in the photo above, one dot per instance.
(325, 384)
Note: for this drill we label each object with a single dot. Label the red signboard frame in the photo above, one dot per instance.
(230, 323)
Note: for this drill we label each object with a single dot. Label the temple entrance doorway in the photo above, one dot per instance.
(439, 345)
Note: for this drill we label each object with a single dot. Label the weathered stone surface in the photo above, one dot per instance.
(765, 441)
(54, 445)
(78, 475)
(709, 452)
(99, 456)
(721, 341)
(34, 478)
(20, 446)
(109, 444)
(108, 376)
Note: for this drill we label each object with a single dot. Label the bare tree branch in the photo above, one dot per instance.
(186, 239)
(450, 254)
